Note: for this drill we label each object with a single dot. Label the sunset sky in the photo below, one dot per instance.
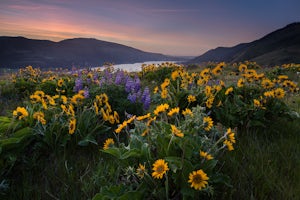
(173, 27)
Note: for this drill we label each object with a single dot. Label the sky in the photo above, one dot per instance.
(171, 27)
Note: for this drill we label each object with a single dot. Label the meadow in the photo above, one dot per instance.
(169, 131)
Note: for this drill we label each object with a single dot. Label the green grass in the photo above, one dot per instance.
(265, 163)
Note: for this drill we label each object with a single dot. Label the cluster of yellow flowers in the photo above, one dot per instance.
(207, 81)
(198, 179)
(67, 106)
(29, 74)
(230, 139)
(107, 113)
(20, 113)
(124, 124)
(154, 67)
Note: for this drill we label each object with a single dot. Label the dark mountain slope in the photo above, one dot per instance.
(278, 47)
(20, 52)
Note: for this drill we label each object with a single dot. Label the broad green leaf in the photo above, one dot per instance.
(100, 196)
(131, 195)
(113, 151)
(130, 153)
(145, 151)
(220, 178)
(86, 141)
(175, 163)
(22, 132)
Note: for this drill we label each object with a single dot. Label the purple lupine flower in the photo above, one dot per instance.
(119, 78)
(95, 77)
(88, 81)
(147, 102)
(131, 97)
(78, 85)
(137, 83)
(108, 76)
(138, 94)
(101, 82)
(146, 98)
(210, 83)
(86, 92)
(129, 85)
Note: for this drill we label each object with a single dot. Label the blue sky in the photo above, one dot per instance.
(174, 27)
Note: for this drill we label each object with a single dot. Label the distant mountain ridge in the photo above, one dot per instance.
(83, 52)
(276, 48)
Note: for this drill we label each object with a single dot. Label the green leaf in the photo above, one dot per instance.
(175, 163)
(15, 142)
(86, 141)
(113, 151)
(22, 132)
(130, 153)
(100, 196)
(145, 151)
(220, 178)
(209, 165)
(131, 195)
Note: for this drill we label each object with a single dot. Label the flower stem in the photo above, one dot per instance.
(167, 186)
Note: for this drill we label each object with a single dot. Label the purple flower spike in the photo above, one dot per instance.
(146, 98)
(78, 85)
(132, 98)
(86, 92)
(137, 84)
(119, 78)
(129, 85)
(147, 102)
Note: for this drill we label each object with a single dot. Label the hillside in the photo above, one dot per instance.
(20, 52)
(278, 47)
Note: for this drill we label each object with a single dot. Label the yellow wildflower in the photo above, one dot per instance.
(160, 167)
(269, 93)
(60, 82)
(209, 102)
(207, 123)
(140, 118)
(155, 90)
(72, 125)
(241, 82)
(229, 145)
(191, 98)
(20, 113)
(40, 117)
(35, 98)
(116, 117)
(267, 83)
(229, 90)
(279, 93)
(176, 131)
(141, 171)
(77, 98)
(174, 75)
(108, 143)
(206, 155)
(198, 179)
(242, 67)
(164, 94)
(187, 111)
(173, 111)
(230, 135)
(161, 108)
